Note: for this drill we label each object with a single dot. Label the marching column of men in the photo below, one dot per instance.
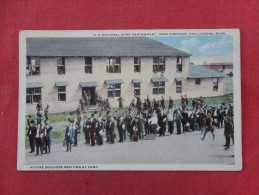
(135, 122)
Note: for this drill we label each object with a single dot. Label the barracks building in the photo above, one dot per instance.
(58, 70)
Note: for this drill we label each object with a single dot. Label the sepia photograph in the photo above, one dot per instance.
(130, 100)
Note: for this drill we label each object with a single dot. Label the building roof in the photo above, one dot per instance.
(199, 71)
(100, 46)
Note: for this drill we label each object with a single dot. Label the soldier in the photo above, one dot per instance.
(120, 100)
(46, 112)
(170, 103)
(148, 102)
(138, 104)
(107, 106)
(79, 113)
(32, 130)
(39, 106)
(132, 104)
(186, 100)
(162, 102)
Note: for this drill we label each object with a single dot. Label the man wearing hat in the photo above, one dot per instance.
(228, 132)
(86, 127)
(112, 130)
(47, 130)
(92, 130)
(121, 125)
(209, 127)
(32, 130)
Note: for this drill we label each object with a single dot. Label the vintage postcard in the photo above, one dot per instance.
(130, 100)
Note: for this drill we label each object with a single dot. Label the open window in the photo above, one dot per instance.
(113, 65)
(215, 84)
(198, 81)
(179, 65)
(32, 66)
(158, 64)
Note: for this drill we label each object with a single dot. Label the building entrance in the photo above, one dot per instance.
(90, 92)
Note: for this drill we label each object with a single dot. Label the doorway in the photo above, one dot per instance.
(90, 93)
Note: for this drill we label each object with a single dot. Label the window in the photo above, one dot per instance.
(33, 95)
(178, 86)
(159, 87)
(33, 66)
(198, 81)
(215, 84)
(61, 65)
(137, 89)
(114, 90)
(137, 63)
(62, 94)
(179, 65)
(113, 65)
(88, 65)
(158, 64)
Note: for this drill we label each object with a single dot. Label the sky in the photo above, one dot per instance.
(209, 49)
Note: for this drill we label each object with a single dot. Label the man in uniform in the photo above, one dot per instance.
(170, 103)
(46, 112)
(120, 100)
(162, 102)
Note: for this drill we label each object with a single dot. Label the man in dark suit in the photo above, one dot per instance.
(112, 130)
(47, 129)
(32, 130)
(92, 130)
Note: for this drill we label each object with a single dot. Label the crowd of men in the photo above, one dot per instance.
(135, 122)
(39, 131)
